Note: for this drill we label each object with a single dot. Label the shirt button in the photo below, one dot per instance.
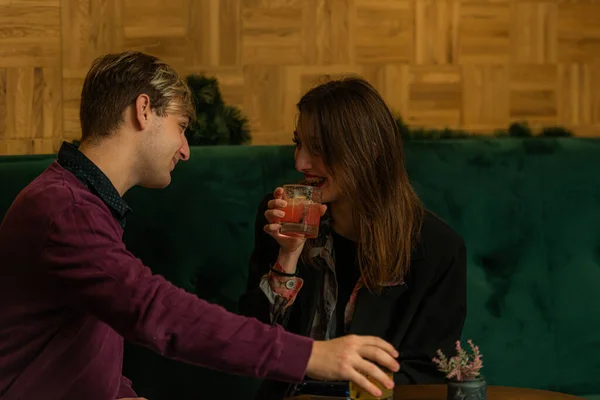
(290, 284)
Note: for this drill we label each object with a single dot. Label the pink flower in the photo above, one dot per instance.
(463, 366)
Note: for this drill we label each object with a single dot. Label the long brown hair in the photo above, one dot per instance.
(347, 123)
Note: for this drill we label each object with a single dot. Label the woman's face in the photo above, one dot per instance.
(315, 173)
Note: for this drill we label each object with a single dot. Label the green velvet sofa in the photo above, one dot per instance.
(529, 210)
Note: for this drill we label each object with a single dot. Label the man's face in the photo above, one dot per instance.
(163, 146)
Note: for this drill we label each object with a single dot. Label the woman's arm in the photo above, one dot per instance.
(268, 295)
(438, 324)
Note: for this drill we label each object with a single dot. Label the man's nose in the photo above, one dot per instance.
(184, 151)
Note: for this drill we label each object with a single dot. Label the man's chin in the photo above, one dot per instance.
(157, 184)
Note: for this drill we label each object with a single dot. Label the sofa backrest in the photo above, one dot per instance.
(528, 209)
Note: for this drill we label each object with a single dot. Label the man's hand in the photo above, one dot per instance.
(347, 358)
(133, 398)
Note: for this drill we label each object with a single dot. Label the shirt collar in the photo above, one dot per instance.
(70, 158)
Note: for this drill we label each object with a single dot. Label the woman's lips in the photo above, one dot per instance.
(315, 180)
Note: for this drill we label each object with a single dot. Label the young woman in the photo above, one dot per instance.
(381, 265)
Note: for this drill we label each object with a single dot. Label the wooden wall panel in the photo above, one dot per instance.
(89, 28)
(534, 26)
(472, 64)
(484, 85)
(30, 70)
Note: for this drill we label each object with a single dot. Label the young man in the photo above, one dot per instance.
(70, 292)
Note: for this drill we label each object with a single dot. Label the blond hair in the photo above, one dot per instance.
(115, 81)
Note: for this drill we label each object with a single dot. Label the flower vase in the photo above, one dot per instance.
(475, 389)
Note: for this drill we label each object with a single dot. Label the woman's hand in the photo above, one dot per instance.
(290, 246)
(274, 213)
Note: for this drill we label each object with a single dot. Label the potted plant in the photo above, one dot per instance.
(462, 373)
(217, 123)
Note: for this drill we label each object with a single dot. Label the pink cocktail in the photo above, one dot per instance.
(302, 212)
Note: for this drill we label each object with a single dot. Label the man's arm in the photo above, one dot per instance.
(90, 267)
(88, 263)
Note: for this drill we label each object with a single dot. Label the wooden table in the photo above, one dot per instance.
(435, 392)
(438, 392)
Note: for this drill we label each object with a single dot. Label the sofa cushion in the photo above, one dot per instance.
(528, 209)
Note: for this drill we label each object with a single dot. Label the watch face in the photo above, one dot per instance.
(290, 284)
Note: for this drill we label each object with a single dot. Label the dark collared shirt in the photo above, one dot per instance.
(94, 179)
(70, 292)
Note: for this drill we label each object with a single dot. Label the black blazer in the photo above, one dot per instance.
(424, 314)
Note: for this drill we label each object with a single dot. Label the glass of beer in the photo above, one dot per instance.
(358, 393)
(302, 212)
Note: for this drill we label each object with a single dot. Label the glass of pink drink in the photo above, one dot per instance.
(303, 211)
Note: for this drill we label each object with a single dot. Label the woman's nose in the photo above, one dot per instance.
(303, 160)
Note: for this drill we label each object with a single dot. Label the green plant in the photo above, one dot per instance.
(216, 122)
(515, 130)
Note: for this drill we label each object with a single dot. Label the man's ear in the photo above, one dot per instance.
(143, 112)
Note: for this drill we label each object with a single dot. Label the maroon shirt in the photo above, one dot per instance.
(70, 292)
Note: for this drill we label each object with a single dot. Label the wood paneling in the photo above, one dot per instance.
(472, 64)
(30, 76)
